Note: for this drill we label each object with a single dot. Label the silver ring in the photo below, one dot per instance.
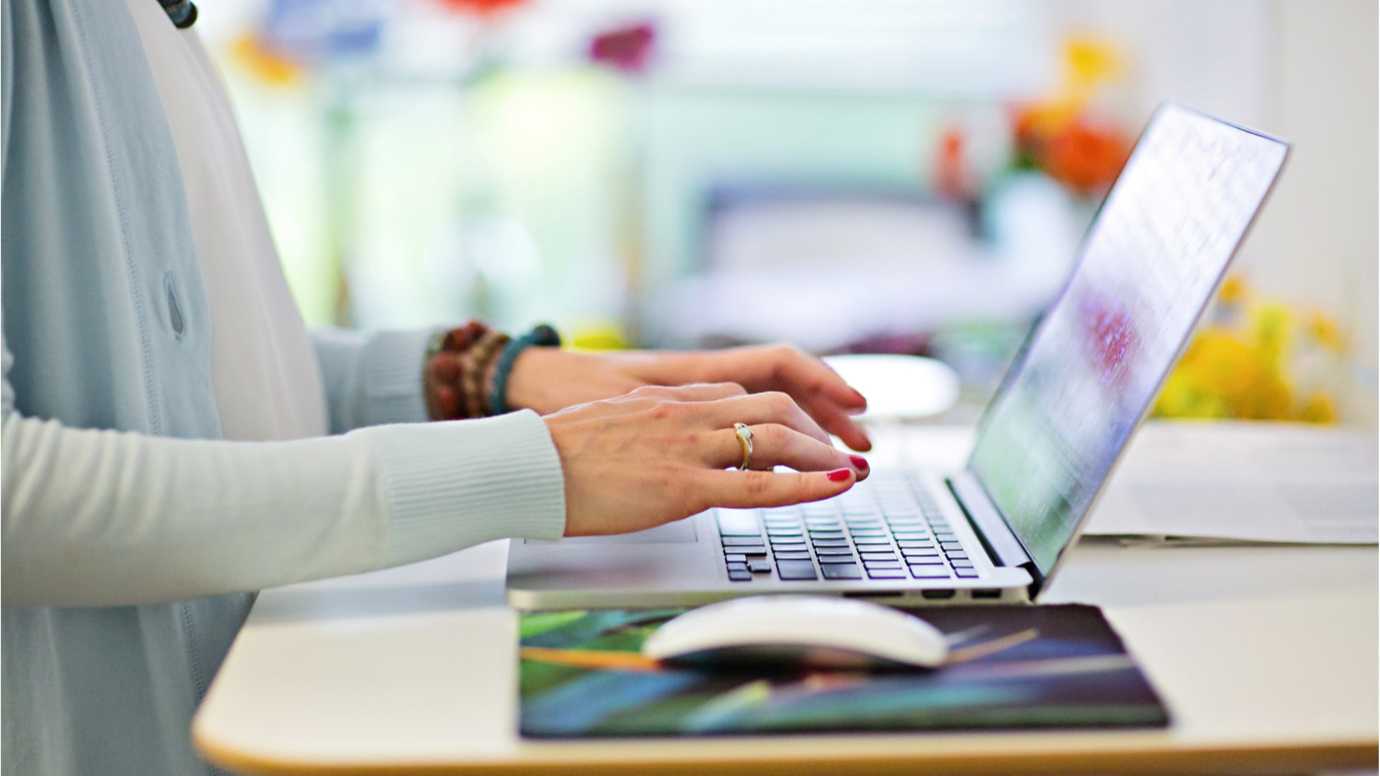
(744, 441)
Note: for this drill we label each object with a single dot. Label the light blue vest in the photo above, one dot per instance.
(106, 317)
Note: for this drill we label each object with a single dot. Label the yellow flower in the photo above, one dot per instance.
(1325, 331)
(1271, 330)
(1089, 61)
(1233, 290)
(1318, 408)
(1223, 375)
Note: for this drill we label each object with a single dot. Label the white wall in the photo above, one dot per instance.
(1317, 244)
(1304, 70)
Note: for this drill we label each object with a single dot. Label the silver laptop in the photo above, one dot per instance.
(997, 530)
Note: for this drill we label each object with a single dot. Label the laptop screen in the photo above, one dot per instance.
(1092, 365)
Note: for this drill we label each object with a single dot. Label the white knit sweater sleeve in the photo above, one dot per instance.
(97, 517)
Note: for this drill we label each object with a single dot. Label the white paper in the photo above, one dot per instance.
(1244, 482)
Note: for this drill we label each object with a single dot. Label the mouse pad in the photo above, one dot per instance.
(581, 674)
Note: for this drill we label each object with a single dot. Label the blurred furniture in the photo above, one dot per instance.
(1264, 655)
(828, 265)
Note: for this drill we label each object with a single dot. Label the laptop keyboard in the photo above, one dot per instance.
(883, 528)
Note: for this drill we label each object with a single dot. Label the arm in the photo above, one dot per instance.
(95, 517)
(371, 379)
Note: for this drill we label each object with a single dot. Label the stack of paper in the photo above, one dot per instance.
(1197, 482)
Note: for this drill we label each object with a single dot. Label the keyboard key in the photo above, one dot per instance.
(760, 566)
(735, 558)
(833, 551)
(882, 564)
(871, 540)
(919, 544)
(787, 541)
(737, 522)
(751, 551)
(795, 569)
(966, 573)
(929, 572)
(909, 534)
(923, 561)
(792, 531)
(961, 564)
(826, 534)
(840, 571)
(830, 543)
(792, 555)
(878, 572)
(878, 555)
(737, 567)
(740, 576)
(741, 541)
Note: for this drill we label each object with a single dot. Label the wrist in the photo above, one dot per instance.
(500, 392)
(526, 390)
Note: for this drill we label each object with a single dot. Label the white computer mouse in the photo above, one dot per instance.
(816, 631)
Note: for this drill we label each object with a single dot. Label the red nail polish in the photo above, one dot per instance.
(859, 462)
(839, 475)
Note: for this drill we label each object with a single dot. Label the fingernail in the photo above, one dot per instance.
(859, 463)
(839, 475)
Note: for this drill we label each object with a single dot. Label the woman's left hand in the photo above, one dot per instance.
(550, 379)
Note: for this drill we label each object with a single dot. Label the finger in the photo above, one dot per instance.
(757, 408)
(777, 445)
(805, 375)
(693, 392)
(723, 488)
(838, 423)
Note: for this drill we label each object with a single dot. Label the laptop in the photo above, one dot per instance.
(998, 530)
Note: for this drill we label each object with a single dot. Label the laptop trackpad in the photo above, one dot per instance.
(679, 532)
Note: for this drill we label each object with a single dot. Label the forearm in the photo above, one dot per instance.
(104, 518)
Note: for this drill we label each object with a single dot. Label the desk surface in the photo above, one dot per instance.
(1266, 657)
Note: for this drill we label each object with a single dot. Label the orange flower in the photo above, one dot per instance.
(1085, 157)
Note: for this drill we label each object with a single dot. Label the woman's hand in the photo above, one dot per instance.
(549, 379)
(660, 454)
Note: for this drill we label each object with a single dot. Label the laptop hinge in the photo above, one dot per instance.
(1001, 544)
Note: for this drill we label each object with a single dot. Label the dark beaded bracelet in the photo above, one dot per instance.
(541, 335)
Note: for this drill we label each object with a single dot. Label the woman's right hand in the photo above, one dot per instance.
(659, 454)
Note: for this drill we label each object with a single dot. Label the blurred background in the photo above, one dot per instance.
(900, 176)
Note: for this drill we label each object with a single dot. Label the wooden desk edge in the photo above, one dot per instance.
(1269, 758)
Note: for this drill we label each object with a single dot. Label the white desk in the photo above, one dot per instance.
(1266, 657)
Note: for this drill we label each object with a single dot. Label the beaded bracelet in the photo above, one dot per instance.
(474, 364)
(455, 341)
(541, 335)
